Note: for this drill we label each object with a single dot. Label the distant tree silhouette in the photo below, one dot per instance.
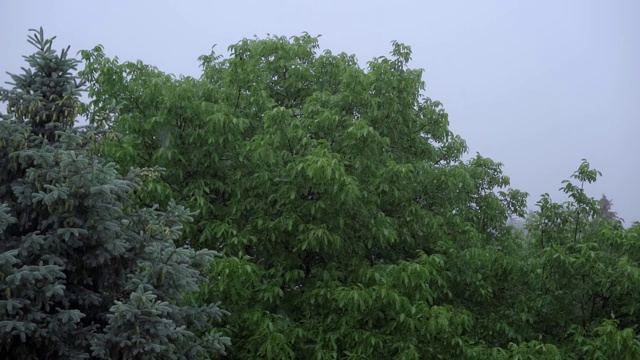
(604, 204)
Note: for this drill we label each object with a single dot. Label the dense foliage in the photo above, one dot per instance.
(335, 193)
(350, 224)
(84, 271)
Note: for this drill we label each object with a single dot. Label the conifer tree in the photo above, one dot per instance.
(84, 271)
(605, 205)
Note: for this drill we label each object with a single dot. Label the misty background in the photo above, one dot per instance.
(535, 85)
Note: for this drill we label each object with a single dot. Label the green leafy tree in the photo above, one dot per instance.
(607, 341)
(581, 275)
(84, 271)
(337, 193)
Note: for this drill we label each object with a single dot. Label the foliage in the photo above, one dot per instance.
(85, 272)
(585, 269)
(351, 225)
(335, 192)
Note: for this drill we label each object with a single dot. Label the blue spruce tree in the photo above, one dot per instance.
(84, 272)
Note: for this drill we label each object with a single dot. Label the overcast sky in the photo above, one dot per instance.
(536, 85)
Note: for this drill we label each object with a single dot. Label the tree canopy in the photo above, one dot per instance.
(352, 224)
(334, 191)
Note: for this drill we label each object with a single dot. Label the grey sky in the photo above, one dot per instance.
(536, 85)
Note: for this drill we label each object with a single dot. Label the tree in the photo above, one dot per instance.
(605, 205)
(337, 194)
(581, 275)
(352, 227)
(85, 272)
